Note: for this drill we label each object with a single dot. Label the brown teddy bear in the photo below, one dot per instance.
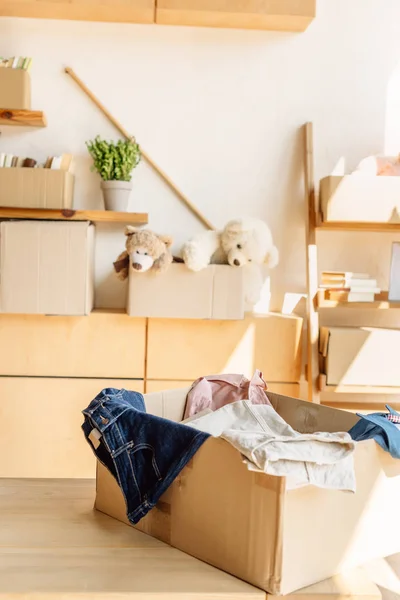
(146, 250)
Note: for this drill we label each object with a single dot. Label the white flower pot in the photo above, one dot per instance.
(116, 195)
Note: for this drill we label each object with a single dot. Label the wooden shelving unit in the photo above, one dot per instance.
(22, 118)
(319, 299)
(96, 216)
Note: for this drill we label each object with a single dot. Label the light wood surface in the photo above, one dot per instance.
(284, 15)
(119, 11)
(40, 425)
(381, 302)
(103, 344)
(354, 226)
(188, 349)
(54, 545)
(311, 266)
(23, 118)
(193, 209)
(355, 389)
(97, 216)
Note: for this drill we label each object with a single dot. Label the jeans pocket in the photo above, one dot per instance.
(145, 468)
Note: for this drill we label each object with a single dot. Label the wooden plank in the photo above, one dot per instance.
(23, 118)
(97, 216)
(188, 349)
(311, 266)
(381, 302)
(361, 389)
(40, 425)
(118, 11)
(281, 15)
(53, 545)
(356, 226)
(102, 344)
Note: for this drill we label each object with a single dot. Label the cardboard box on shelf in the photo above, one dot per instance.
(36, 188)
(363, 356)
(250, 525)
(46, 267)
(15, 89)
(214, 293)
(362, 198)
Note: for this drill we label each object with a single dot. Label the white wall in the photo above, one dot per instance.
(220, 111)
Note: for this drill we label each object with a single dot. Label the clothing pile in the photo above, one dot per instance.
(145, 453)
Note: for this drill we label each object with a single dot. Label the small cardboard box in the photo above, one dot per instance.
(15, 89)
(46, 267)
(361, 356)
(36, 188)
(362, 198)
(214, 293)
(250, 525)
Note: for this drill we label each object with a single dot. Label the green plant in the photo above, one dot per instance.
(114, 160)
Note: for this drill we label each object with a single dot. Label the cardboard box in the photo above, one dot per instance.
(36, 188)
(363, 356)
(251, 526)
(46, 267)
(15, 89)
(214, 293)
(362, 198)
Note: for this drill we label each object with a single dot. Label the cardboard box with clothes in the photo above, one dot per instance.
(252, 525)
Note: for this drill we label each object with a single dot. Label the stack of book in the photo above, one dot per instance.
(16, 62)
(342, 286)
(62, 162)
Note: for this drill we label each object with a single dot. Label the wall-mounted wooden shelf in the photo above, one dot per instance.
(355, 389)
(97, 216)
(381, 302)
(358, 226)
(22, 118)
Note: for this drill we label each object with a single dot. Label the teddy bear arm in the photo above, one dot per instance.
(163, 262)
(121, 266)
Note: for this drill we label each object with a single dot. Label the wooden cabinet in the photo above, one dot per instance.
(119, 11)
(281, 15)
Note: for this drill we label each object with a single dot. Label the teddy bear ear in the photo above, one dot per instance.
(130, 230)
(168, 241)
(233, 228)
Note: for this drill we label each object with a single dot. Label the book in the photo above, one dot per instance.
(347, 296)
(2, 159)
(8, 160)
(343, 275)
(56, 162)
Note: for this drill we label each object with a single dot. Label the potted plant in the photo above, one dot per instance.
(115, 161)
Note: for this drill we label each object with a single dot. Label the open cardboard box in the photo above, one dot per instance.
(251, 526)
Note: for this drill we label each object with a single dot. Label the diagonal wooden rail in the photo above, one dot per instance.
(126, 134)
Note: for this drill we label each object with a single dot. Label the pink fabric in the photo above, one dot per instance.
(215, 391)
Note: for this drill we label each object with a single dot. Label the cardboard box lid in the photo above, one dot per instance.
(15, 89)
(46, 267)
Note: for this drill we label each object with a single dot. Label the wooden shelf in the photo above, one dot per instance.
(97, 216)
(381, 303)
(355, 389)
(22, 118)
(357, 226)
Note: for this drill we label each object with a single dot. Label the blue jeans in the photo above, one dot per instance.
(143, 452)
(376, 426)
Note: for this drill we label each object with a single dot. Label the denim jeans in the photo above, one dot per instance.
(376, 426)
(143, 452)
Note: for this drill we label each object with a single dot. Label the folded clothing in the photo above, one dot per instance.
(268, 442)
(381, 427)
(214, 391)
(143, 452)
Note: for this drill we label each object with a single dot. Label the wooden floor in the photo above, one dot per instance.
(54, 546)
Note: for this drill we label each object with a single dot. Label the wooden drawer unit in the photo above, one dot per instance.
(183, 350)
(103, 344)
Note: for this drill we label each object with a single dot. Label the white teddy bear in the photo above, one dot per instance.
(245, 242)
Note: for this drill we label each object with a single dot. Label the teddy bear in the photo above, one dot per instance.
(383, 166)
(246, 242)
(146, 250)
